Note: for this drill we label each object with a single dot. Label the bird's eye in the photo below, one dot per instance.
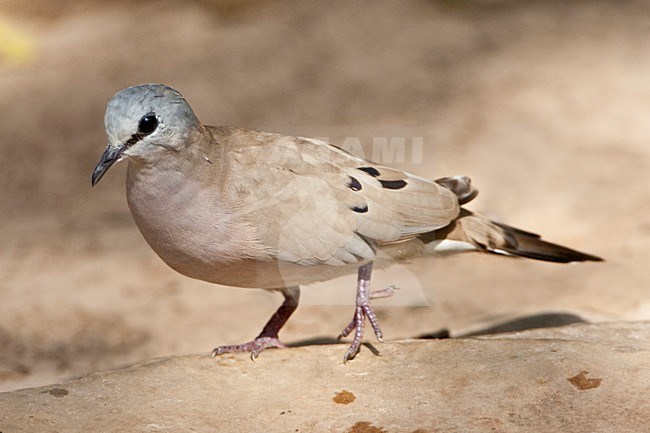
(148, 124)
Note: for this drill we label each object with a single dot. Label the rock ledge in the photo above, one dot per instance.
(586, 377)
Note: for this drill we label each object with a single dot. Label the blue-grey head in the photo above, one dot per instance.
(145, 122)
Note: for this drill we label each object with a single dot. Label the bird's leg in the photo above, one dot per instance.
(268, 338)
(362, 311)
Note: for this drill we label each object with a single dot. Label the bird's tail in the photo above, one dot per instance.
(479, 233)
(475, 232)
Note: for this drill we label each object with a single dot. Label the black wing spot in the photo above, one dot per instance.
(370, 170)
(360, 209)
(393, 184)
(354, 184)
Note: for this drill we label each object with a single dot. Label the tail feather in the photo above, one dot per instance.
(531, 246)
(497, 238)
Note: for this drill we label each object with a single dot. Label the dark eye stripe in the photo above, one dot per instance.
(134, 139)
(360, 209)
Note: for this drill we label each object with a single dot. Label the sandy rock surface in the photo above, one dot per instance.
(544, 104)
(580, 378)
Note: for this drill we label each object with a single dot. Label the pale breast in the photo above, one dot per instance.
(187, 225)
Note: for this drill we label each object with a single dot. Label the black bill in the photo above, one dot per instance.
(110, 156)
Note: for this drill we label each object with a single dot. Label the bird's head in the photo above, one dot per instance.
(146, 122)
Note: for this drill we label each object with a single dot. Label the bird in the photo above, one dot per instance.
(252, 209)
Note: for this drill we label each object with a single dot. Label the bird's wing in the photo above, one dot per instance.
(313, 203)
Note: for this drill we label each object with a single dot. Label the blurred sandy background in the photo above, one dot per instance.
(546, 105)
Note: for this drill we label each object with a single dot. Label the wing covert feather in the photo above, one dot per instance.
(313, 203)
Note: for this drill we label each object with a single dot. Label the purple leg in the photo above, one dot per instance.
(268, 338)
(363, 311)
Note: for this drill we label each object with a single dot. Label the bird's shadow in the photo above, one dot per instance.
(523, 323)
(518, 324)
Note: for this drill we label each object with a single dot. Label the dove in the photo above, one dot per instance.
(253, 209)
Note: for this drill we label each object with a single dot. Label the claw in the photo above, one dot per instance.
(345, 332)
(349, 355)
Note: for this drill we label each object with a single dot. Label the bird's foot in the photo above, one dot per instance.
(363, 311)
(268, 338)
(254, 347)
